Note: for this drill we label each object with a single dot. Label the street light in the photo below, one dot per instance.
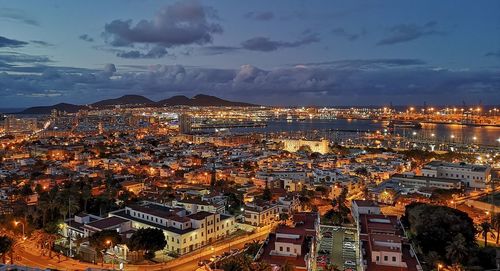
(110, 244)
(22, 224)
(440, 266)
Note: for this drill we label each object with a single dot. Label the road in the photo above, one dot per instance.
(26, 253)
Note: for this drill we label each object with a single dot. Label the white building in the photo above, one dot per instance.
(294, 145)
(261, 213)
(184, 232)
(364, 207)
(411, 180)
(474, 176)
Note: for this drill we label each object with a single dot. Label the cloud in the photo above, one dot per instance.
(408, 32)
(493, 53)
(265, 44)
(155, 52)
(366, 64)
(218, 50)
(341, 32)
(182, 23)
(17, 16)
(110, 68)
(343, 82)
(86, 38)
(41, 43)
(5, 42)
(13, 57)
(259, 16)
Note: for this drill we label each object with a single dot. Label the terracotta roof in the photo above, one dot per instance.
(200, 215)
(107, 222)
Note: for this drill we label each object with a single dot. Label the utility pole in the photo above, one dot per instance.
(69, 217)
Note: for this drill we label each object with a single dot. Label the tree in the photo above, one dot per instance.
(305, 148)
(148, 240)
(240, 262)
(331, 267)
(361, 171)
(284, 217)
(484, 230)
(26, 190)
(86, 196)
(431, 227)
(6, 244)
(496, 224)
(457, 251)
(287, 267)
(101, 240)
(267, 195)
(252, 248)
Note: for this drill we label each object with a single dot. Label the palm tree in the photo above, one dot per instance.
(485, 228)
(6, 244)
(456, 267)
(331, 267)
(287, 267)
(457, 249)
(86, 196)
(496, 224)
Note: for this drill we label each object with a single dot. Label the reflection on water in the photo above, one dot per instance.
(450, 132)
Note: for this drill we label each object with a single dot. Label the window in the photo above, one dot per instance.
(378, 258)
(393, 258)
(281, 248)
(287, 249)
(385, 258)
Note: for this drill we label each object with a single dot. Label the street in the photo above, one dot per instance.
(26, 253)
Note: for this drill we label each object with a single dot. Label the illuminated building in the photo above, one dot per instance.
(185, 123)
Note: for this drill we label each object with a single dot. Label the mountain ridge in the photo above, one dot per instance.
(135, 100)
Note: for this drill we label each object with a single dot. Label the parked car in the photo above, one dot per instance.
(348, 262)
(204, 262)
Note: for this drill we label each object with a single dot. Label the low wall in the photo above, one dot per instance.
(482, 206)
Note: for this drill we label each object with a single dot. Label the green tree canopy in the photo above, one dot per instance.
(148, 240)
(103, 239)
(433, 227)
(6, 244)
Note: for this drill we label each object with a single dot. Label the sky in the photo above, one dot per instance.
(283, 52)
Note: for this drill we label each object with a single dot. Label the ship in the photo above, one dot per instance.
(404, 124)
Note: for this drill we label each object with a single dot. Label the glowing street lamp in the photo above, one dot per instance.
(110, 244)
(22, 224)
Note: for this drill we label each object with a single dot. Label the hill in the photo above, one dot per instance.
(124, 100)
(136, 100)
(200, 100)
(44, 110)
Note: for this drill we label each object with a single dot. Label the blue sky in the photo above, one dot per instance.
(268, 52)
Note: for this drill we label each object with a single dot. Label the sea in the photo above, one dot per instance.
(483, 135)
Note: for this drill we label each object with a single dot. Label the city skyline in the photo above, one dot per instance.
(295, 53)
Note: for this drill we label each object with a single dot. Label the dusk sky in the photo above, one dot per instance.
(266, 52)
